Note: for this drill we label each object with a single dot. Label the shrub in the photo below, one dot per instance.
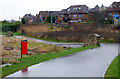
(10, 26)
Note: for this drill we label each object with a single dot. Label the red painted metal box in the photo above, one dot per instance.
(24, 47)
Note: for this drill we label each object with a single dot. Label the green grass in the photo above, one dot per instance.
(113, 70)
(34, 59)
(16, 33)
(52, 40)
(60, 41)
(107, 41)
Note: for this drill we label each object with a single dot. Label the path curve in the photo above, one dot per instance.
(88, 63)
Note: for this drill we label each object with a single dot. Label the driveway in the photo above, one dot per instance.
(88, 63)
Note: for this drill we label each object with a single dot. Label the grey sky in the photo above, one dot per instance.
(12, 9)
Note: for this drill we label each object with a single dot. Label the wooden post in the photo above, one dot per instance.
(21, 50)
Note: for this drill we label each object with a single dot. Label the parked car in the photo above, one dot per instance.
(75, 20)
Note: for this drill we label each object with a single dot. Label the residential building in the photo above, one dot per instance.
(75, 12)
(103, 8)
(42, 16)
(113, 9)
(97, 8)
(29, 18)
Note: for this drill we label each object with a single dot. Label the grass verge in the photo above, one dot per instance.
(34, 59)
(16, 33)
(52, 40)
(113, 70)
(60, 41)
(107, 41)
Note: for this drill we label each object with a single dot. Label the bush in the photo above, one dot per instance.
(23, 21)
(10, 26)
(49, 19)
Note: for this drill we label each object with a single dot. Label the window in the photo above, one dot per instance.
(74, 9)
(110, 6)
(114, 13)
(88, 8)
(60, 16)
(68, 9)
(74, 15)
(79, 15)
(79, 7)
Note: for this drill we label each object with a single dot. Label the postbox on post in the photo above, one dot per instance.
(24, 47)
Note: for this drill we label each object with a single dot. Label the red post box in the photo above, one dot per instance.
(24, 47)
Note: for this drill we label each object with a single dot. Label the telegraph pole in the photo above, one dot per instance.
(51, 19)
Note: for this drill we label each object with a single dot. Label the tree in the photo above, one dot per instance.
(23, 21)
(49, 19)
(99, 18)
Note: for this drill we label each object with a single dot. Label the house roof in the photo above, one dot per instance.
(29, 16)
(54, 13)
(75, 9)
(115, 6)
(47, 13)
(43, 13)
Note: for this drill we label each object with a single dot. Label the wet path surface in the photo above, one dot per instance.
(73, 45)
(88, 63)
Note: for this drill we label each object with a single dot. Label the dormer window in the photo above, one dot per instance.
(68, 9)
(110, 6)
(88, 8)
(79, 8)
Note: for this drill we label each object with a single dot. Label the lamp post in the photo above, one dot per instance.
(51, 13)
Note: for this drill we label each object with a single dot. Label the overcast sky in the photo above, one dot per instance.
(12, 9)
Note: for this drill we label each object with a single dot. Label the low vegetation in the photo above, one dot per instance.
(10, 26)
(11, 49)
(113, 70)
(74, 32)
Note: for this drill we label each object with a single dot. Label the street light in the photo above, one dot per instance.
(51, 14)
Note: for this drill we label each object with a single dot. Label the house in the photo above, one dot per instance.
(113, 9)
(29, 19)
(97, 8)
(74, 13)
(96, 11)
(103, 8)
(42, 16)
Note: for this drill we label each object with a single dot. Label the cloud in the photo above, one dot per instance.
(12, 9)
